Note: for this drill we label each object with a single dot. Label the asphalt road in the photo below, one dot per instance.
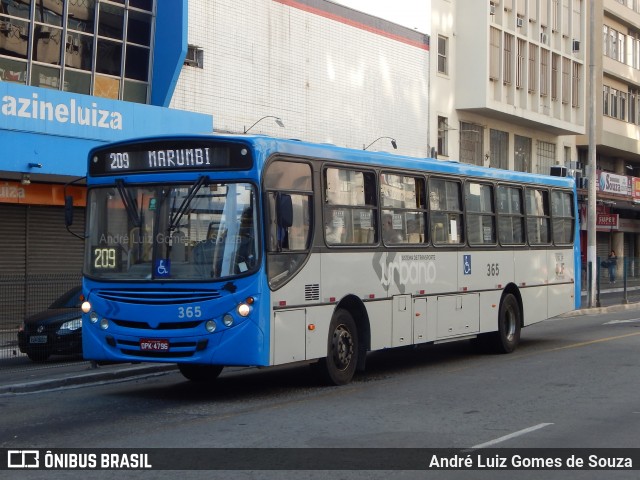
(572, 383)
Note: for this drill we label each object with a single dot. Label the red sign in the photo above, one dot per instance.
(607, 220)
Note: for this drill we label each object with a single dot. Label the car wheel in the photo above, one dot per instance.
(200, 373)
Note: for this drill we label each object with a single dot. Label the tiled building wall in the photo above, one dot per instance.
(328, 79)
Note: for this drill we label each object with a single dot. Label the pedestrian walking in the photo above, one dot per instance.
(613, 264)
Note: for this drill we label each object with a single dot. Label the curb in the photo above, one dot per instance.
(599, 310)
(94, 376)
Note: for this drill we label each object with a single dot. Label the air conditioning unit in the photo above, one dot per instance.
(544, 38)
(576, 45)
(558, 171)
(519, 22)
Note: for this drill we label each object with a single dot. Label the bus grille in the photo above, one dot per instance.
(161, 326)
(158, 297)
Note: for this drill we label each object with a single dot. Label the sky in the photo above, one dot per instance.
(414, 14)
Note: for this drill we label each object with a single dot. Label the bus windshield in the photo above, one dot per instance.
(200, 231)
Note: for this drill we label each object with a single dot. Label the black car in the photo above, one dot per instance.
(56, 330)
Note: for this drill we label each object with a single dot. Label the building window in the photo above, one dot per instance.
(566, 80)
(522, 154)
(605, 100)
(546, 157)
(544, 72)
(499, 145)
(555, 76)
(533, 68)
(443, 52)
(508, 59)
(494, 54)
(195, 57)
(520, 65)
(443, 136)
(471, 143)
(59, 41)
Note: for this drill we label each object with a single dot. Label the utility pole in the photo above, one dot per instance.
(591, 166)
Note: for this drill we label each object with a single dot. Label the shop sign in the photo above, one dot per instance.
(40, 194)
(608, 220)
(635, 181)
(612, 183)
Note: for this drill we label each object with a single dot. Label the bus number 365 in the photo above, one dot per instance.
(189, 312)
(493, 269)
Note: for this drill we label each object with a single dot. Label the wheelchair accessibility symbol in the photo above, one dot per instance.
(163, 268)
(466, 264)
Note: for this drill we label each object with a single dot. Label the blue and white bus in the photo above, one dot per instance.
(219, 250)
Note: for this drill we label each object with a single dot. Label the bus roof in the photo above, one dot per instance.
(269, 146)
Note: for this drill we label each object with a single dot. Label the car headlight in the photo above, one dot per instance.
(70, 326)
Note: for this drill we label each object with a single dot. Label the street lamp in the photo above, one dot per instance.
(277, 120)
(393, 143)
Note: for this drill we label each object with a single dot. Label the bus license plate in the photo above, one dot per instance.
(38, 339)
(154, 345)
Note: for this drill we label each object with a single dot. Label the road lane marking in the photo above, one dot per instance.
(511, 435)
(615, 322)
(591, 342)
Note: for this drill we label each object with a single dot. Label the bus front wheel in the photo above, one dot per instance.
(200, 373)
(342, 349)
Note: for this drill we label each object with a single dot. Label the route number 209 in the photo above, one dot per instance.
(119, 161)
(493, 269)
(189, 312)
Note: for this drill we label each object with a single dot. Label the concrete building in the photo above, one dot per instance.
(508, 82)
(617, 114)
(509, 88)
(331, 73)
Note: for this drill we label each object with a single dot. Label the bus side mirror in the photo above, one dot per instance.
(68, 210)
(284, 210)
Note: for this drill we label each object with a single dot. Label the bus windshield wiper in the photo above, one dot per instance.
(130, 203)
(177, 216)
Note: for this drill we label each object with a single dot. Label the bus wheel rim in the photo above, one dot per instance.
(342, 347)
(510, 324)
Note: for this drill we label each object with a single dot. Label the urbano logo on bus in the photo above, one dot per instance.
(404, 269)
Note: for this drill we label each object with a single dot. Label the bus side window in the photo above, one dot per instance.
(289, 201)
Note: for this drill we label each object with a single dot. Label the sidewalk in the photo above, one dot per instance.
(42, 378)
(39, 377)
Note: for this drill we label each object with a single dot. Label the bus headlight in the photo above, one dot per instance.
(227, 320)
(104, 324)
(93, 316)
(210, 325)
(244, 310)
(85, 307)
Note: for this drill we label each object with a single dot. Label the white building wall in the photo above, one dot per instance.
(329, 81)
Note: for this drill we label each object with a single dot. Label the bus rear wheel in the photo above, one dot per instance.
(340, 364)
(200, 373)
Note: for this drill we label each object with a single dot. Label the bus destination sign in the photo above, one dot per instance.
(170, 157)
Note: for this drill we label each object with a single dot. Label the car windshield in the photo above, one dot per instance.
(200, 231)
(72, 299)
